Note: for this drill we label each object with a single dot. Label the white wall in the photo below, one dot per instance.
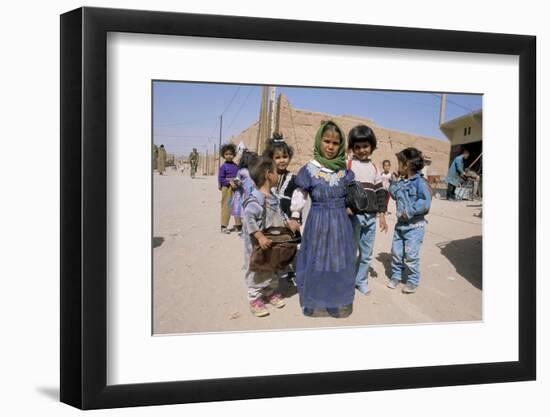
(29, 297)
(474, 136)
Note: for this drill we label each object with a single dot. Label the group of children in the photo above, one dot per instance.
(260, 192)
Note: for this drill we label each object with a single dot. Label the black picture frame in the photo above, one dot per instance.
(84, 207)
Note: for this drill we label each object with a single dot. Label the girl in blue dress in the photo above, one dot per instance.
(325, 270)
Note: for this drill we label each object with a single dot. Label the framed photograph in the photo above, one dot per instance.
(192, 144)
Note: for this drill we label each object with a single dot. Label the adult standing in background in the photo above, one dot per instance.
(456, 170)
(155, 156)
(161, 160)
(194, 162)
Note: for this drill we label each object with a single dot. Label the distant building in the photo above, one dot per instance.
(465, 131)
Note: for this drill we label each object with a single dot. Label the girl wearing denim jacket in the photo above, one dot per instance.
(413, 197)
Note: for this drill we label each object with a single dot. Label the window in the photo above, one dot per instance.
(469, 129)
(465, 131)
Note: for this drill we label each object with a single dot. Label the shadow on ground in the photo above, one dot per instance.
(466, 257)
(385, 259)
(50, 392)
(157, 241)
(287, 288)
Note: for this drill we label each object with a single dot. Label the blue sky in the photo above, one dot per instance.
(187, 115)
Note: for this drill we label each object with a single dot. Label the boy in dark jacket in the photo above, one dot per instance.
(362, 141)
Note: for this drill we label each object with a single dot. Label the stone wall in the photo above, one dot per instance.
(299, 128)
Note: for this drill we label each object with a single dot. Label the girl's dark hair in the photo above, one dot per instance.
(248, 158)
(277, 144)
(228, 147)
(260, 168)
(413, 157)
(362, 133)
(384, 162)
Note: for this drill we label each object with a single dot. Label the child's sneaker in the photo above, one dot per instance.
(409, 288)
(257, 307)
(276, 300)
(393, 283)
(363, 290)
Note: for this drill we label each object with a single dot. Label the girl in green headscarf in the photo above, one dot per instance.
(325, 269)
(330, 146)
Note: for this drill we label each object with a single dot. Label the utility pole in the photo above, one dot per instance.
(271, 111)
(266, 120)
(213, 157)
(220, 141)
(442, 109)
(262, 122)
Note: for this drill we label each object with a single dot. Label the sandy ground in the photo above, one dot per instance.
(199, 285)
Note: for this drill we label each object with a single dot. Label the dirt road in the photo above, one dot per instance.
(199, 285)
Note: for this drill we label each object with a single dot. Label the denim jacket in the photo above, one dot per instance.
(253, 215)
(413, 198)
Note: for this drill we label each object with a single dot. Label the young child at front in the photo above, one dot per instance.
(362, 141)
(228, 172)
(278, 150)
(413, 197)
(262, 204)
(325, 269)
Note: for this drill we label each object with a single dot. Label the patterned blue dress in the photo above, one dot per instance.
(325, 270)
(242, 192)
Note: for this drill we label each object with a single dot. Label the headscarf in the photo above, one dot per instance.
(339, 161)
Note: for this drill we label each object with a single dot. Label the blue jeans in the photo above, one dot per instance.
(364, 226)
(407, 239)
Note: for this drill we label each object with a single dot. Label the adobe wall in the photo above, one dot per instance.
(299, 128)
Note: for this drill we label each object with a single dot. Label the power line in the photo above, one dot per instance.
(174, 124)
(385, 95)
(226, 108)
(233, 98)
(213, 130)
(185, 136)
(240, 108)
(452, 102)
(419, 102)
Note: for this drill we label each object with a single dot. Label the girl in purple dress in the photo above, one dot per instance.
(325, 270)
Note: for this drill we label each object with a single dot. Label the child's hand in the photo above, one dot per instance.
(349, 211)
(264, 242)
(383, 224)
(232, 184)
(294, 225)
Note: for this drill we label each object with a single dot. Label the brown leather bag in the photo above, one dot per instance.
(281, 253)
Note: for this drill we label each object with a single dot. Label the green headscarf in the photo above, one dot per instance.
(339, 161)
